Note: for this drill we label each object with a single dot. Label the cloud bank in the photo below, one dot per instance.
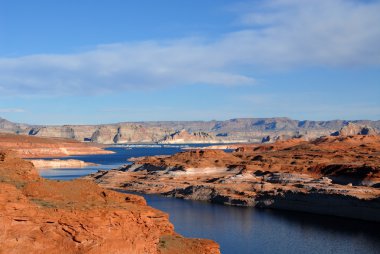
(274, 34)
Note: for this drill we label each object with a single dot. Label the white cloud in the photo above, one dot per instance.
(315, 32)
(273, 34)
(119, 67)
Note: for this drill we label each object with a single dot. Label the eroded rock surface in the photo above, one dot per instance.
(355, 129)
(329, 175)
(32, 147)
(184, 136)
(45, 216)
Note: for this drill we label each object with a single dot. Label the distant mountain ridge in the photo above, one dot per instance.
(229, 131)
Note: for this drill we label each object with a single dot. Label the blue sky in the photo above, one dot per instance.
(85, 61)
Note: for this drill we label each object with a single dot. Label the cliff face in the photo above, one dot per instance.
(44, 216)
(184, 136)
(229, 131)
(355, 129)
(127, 133)
(9, 127)
(28, 147)
(329, 175)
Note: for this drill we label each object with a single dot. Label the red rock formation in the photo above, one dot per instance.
(330, 175)
(44, 216)
(30, 147)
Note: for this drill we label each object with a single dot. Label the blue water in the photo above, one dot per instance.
(251, 230)
(109, 161)
(245, 230)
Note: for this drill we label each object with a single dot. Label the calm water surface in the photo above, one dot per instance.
(106, 161)
(244, 230)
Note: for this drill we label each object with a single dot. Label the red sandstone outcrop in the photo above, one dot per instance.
(31, 147)
(45, 216)
(330, 175)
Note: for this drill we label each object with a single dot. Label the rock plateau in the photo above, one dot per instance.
(31, 147)
(184, 136)
(240, 130)
(329, 175)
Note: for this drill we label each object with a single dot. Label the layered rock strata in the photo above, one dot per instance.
(31, 147)
(184, 136)
(330, 175)
(240, 130)
(44, 216)
(355, 129)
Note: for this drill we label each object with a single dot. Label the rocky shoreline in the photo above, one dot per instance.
(330, 175)
(36, 147)
(46, 216)
(57, 163)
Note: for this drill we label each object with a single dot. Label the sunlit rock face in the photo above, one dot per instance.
(355, 129)
(30, 147)
(44, 216)
(230, 131)
(184, 136)
(329, 175)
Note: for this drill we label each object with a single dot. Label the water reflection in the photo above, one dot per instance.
(244, 230)
(250, 230)
(105, 161)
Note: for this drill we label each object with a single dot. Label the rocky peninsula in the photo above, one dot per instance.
(37, 147)
(45, 216)
(334, 175)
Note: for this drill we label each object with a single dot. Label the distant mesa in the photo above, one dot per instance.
(239, 130)
(281, 137)
(355, 129)
(183, 136)
(33, 147)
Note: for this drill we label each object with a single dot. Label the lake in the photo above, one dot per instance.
(243, 230)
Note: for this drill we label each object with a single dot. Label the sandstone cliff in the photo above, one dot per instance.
(184, 136)
(241, 130)
(329, 175)
(355, 129)
(44, 216)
